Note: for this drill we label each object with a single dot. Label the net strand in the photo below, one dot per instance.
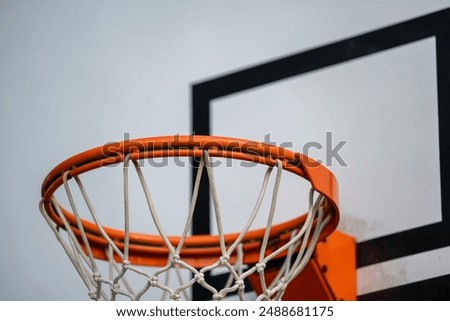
(192, 207)
(152, 209)
(215, 198)
(78, 220)
(255, 211)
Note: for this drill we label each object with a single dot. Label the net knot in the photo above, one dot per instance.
(217, 297)
(240, 284)
(269, 294)
(175, 297)
(115, 288)
(260, 267)
(93, 295)
(97, 276)
(200, 278)
(154, 281)
(126, 264)
(175, 259)
(224, 259)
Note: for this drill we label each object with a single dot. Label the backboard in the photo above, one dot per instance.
(355, 105)
(361, 86)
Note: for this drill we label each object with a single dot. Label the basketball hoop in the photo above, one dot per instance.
(244, 254)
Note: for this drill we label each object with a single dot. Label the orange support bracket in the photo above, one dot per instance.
(329, 275)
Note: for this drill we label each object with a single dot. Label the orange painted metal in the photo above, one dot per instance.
(330, 275)
(198, 250)
(337, 258)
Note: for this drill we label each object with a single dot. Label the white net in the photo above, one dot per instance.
(119, 277)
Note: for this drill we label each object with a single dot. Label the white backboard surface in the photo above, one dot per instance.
(75, 75)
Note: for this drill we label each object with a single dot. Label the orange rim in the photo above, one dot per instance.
(198, 250)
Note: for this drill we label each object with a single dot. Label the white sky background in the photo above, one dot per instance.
(78, 74)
